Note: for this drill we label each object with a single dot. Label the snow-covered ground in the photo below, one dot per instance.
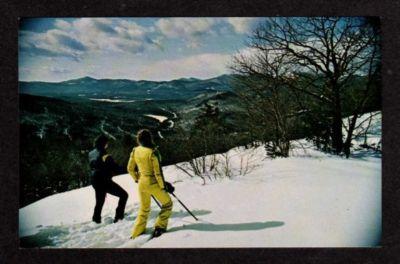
(311, 199)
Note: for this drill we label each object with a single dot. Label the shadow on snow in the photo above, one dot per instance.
(228, 227)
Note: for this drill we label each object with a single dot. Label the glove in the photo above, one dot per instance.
(169, 188)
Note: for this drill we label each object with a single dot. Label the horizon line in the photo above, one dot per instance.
(135, 80)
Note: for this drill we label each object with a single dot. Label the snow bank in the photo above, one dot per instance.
(311, 199)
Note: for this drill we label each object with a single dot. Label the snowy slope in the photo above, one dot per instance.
(311, 199)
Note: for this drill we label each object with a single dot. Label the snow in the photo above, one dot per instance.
(370, 123)
(112, 100)
(173, 113)
(160, 118)
(103, 122)
(311, 199)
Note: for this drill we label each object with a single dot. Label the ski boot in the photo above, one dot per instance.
(158, 232)
(119, 215)
(96, 219)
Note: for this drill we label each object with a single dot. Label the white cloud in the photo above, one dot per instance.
(192, 30)
(53, 43)
(62, 24)
(57, 70)
(189, 29)
(124, 48)
(183, 27)
(130, 29)
(242, 25)
(115, 35)
(81, 36)
(201, 66)
(77, 37)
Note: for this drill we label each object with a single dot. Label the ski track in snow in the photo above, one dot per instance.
(311, 199)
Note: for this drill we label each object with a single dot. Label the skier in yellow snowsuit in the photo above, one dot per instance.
(144, 167)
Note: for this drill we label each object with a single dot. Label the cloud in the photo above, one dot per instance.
(202, 66)
(24, 71)
(189, 29)
(99, 34)
(76, 38)
(193, 30)
(62, 24)
(242, 25)
(182, 27)
(52, 43)
(130, 29)
(113, 35)
(104, 26)
(113, 46)
(70, 42)
(247, 52)
(94, 26)
(58, 70)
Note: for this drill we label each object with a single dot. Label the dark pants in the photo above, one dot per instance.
(114, 189)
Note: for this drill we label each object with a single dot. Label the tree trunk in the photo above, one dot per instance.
(347, 143)
(337, 134)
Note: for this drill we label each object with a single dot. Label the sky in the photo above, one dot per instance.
(158, 49)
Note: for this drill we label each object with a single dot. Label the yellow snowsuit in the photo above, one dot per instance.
(151, 182)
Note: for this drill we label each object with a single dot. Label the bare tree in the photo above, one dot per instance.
(323, 55)
(363, 127)
(262, 86)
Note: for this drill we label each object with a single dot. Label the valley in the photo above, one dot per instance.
(59, 122)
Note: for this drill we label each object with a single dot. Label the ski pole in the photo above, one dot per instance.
(155, 200)
(185, 207)
(162, 175)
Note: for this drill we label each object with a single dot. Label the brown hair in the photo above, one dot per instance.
(145, 138)
(100, 142)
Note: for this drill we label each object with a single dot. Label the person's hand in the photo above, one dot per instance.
(169, 188)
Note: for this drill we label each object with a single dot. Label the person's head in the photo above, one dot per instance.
(144, 138)
(101, 142)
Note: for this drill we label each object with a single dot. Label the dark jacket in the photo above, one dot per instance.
(103, 167)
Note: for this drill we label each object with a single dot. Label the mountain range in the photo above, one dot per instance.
(88, 87)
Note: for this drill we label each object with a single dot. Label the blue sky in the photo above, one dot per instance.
(57, 49)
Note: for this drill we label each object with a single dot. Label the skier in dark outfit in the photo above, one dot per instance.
(103, 168)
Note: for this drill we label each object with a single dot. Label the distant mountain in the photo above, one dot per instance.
(88, 87)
